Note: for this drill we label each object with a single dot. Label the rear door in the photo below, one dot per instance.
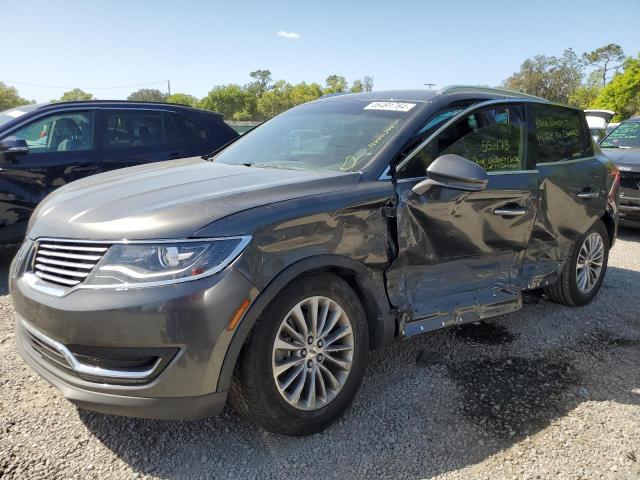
(133, 136)
(572, 181)
(460, 253)
(61, 150)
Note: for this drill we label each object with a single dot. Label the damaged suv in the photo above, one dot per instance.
(267, 271)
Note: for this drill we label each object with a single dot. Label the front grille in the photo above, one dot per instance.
(66, 263)
(630, 180)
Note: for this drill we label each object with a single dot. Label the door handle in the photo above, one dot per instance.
(588, 195)
(510, 212)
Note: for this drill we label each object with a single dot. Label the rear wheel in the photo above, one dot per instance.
(305, 359)
(583, 273)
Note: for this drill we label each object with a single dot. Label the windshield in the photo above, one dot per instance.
(334, 135)
(13, 113)
(625, 135)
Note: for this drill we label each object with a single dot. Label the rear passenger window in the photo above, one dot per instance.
(131, 128)
(191, 131)
(559, 134)
(493, 138)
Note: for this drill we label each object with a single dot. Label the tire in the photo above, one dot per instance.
(567, 289)
(259, 390)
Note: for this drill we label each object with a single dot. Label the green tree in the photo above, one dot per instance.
(148, 95)
(232, 101)
(357, 86)
(283, 96)
(622, 93)
(261, 82)
(602, 58)
(75, 95)
(367, 83)
(9, 98)
(183, 99)
(553, 78)
(336, 84)
(585, 95)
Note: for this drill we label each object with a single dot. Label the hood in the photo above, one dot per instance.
(170, 199)
(626, 159)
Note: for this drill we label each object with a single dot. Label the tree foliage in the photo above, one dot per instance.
(148, 95)
(9, 98)
(553, 78)
(367, 83)
(75, 95)
(335, 84)
(183, 99)
(232, 101)
(602, 58)
(622, 94)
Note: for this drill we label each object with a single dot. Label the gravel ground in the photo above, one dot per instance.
(548, 392)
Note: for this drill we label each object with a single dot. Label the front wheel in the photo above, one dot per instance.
(584, 270)
(305, 359)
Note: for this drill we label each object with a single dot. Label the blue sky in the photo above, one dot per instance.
(199, 44)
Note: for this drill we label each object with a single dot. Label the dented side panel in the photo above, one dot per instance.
(457, 259)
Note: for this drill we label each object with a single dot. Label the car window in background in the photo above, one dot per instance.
(130, 128)
(191, 131)
(57, 133)
(327, 135)
(625, 135)
(492, 138)
(559, 134)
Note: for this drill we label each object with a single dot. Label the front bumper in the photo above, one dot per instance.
(182, 325)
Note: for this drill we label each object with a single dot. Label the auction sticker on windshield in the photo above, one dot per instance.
(390, 106)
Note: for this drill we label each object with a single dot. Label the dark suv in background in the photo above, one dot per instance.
(622, 146)
(43, 147)
(268, 270)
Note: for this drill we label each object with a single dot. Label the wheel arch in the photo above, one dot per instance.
(366, 282)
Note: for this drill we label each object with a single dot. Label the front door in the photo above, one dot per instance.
(460, 253)
(60, 151)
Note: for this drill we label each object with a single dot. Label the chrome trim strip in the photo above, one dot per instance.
(75, 247)
(33, 281)
(84, 369)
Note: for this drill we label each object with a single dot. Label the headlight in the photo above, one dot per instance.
(138, 264)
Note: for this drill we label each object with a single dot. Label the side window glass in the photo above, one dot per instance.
(493, 138)
(191, 131)
(171, 133)
(559, 134)
(130, 128)
(58, 133)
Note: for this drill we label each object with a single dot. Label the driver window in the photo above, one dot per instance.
(492, 138)
(57, 133)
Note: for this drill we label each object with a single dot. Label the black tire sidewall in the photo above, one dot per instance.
(286, 418)
(578, 297)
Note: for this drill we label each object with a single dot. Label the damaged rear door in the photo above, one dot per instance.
(460, 253)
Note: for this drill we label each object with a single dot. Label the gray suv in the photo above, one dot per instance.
(266, 271)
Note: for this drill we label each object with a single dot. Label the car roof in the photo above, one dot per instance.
(426, 95)
(119, 103)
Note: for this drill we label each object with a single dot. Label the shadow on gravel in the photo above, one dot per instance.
(454, 397)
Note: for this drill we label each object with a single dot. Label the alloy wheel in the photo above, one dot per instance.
(312, 353)
(590, 262)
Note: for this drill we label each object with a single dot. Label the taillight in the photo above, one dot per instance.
(613, 192)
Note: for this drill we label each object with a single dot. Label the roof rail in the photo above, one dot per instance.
(476, 89)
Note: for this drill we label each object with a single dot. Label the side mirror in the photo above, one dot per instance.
(453, 171)
(10, 148)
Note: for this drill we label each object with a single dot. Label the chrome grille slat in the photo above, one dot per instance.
(74, 248)
(58, 280)
(62, 263)
(66, 263)
(75, 256)
(61, 271)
